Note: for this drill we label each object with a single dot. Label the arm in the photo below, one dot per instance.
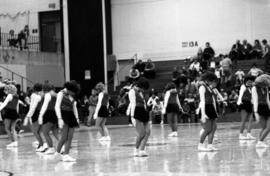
(267, 100)
(255, 103)
(44, 107)
(241, 93)
(150, 101)
(202, 101)
(4, 104)
(58, 105)
(35, 99)
(179, 104)
(75, 110)
(166, 98)
(100, 97)
(132, 99)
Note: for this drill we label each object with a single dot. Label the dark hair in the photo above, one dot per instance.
(249, 78)
(37, 87)
(264, 41)
(47, 87)
(72, 86)
(142, 83)
(209, 76)
(169, 86)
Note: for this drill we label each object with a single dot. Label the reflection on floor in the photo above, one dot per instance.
(168, 156)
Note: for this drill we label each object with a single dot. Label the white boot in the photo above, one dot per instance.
(67, 158)
(242, 137)
(202, 148)
(250, 137)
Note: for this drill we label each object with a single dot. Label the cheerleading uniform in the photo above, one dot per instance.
(47, 111)
(244, 99)
(35, 106)
(103, 111)
(263, 108)
(11, 112)
(171, 102)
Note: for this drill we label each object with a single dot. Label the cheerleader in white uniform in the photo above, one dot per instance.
(102, 112)
(47, 116)
(172, 107)
(261, 105)
(68, 118)
(246, 108)
(208, 111)
(139, 115)
(10, 105)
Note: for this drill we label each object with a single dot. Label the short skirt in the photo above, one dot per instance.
(50, 116)
(35, 116)
(210, 111)
(69, 119)
(172, 108)
(247, 106)
(11, 114)
(103, 112)
(141, 114)
(263, 110)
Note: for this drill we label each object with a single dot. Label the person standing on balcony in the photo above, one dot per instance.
(172, 107)
(68, 118)
(47, 116)
(10, 105)
(102, 112)
(32, 115)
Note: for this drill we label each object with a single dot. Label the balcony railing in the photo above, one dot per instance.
(14, 41)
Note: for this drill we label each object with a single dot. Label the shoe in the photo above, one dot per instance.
(211, 147)
(250, 137)
(67, 158)
(103, 138)
(49, 151)
(142, 153)
(173, 134)
(261, 144)
(35, 144)
(130, 125)
(202, 148)
(107, 138)
(136, 152)
(57, 155)
(13, 144)
(242, 137)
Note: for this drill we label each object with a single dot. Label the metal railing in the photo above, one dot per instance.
(16, 41)
(22, 79)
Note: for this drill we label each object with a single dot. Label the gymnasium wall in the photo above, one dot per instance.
(175, 29)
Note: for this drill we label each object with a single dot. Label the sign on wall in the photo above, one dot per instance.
(189, 44)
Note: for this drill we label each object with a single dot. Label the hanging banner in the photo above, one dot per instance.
(87, 74)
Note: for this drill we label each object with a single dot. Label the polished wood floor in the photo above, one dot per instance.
(167, 156)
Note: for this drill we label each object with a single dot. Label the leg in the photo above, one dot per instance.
(63, 138)
(46, 128)
(99, 127)
(147, 132)
(207, 128)
(36, 130)
(263, 125)
(244, 116)
(212, 133)
(250, 120)
(175, 122)
(91, 113)
(55, 132)
(104, 128)
(8, 129)
(170, 120)
(266, 130)
(69, 140)
(140, 133)
(13, 130)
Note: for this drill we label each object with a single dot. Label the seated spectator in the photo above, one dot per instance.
(246, 49)
(150, 70)
(213, 64)
(236, 52)
(140, 66)
(239, 76)
(150, 102)
(233, 97)
(256, 52)
(194, 68)
(175, 76)
(226, 65)
(134, 75)
(157, 110)
(266, 56)
(255, 71)
(208, 52)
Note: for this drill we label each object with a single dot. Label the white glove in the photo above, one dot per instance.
(257, 117)
(60, 123)
(133, 121)
(40, 120)
(203, 118)
(163, 111)
(95, 116)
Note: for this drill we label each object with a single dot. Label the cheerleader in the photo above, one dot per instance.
(172, 107)
(33, 113)
(10, 105)
(102, 112)
(47, 116)
(68, 119)
(246, 107)
(139, 115)
(261, 105)
(208, 110)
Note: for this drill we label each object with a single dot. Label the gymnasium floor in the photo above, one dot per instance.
(168, 156)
